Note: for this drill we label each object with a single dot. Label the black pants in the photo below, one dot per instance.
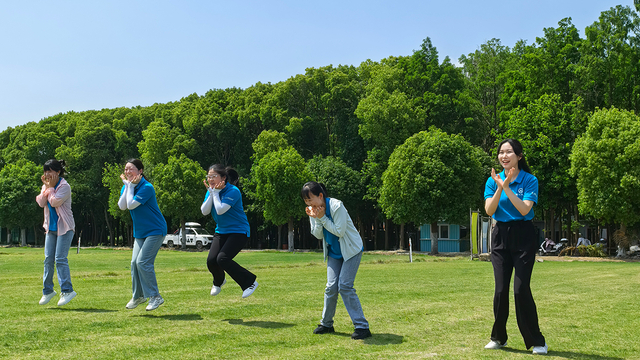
(514, 245)
(224, 247)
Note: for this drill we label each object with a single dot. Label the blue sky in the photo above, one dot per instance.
(58, 56)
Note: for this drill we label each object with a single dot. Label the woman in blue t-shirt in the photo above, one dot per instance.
(232, 229)
(149, 230)
(342, 247)
(509, 199)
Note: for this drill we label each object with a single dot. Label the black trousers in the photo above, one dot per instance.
(224, 247)
(514, 246)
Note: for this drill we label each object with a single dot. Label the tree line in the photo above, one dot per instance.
(404, 141)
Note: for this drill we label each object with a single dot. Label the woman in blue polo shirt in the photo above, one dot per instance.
(342, 247)
(509, 199)
(232, 229)
(149, 230)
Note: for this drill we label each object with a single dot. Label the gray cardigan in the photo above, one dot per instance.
(341, 226)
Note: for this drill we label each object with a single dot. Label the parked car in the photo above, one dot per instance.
(196, 236)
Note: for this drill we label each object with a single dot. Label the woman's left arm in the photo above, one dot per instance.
(338, 226)
(523, 206)
(58, 196)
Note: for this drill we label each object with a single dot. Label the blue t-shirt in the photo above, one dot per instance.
(147, 218)
(333, 242)
(234, 220)
(53, 215)
(525, 186)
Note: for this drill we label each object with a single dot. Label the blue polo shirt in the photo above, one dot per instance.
(147, 218)
(525, 186)
(53, 215)
(234, 220)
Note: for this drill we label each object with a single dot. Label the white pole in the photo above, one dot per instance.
(410, 251)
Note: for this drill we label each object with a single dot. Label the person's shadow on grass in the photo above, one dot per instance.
(174, 317)
(566, 354)
(261, 324)
(375, 339)
(84, 310)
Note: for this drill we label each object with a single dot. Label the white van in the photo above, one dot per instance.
(196, 236)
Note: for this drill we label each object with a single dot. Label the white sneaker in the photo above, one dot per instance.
(248, 291)
(495, 345)
(540, 350)
(133, 303)
(46, 298)
(215, 290)
(154, 302)
(66, 297)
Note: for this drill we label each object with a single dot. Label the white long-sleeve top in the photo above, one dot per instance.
(213, 200)
(341, 226)
(126, 200)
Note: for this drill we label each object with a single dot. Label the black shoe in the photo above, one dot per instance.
(323, 330)
(361, 334)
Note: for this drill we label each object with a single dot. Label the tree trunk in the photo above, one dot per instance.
(290, 237)
(386, 234)
(434, 238)
(183, 231)
(110, 226)
(279, 246)
(9, 240)
(552, 225)
(402, 236)
(375, 233)
(23, 237)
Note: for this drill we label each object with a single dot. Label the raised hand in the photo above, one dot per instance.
(496, 178)
(509, 177)
(136, 179)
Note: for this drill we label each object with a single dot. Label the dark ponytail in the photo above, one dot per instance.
(314, 188)
(229, 174)
(55, 165)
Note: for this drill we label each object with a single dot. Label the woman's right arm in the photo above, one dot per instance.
(41, 199)
(491, 204)
(122, 202)
(207, 203)
(316, 228)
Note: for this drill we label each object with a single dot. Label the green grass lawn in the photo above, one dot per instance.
(434, 308)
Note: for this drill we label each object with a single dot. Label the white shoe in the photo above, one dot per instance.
(540, 350)
(46, 298)
(495, 345)
(154, 302)
(248, 291)
(133, 303)
(215, 290)
(66, 297)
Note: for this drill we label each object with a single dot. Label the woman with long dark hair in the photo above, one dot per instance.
(149, 229)
(343, 248)
(59, 226)
(509, 199)
(223, 201)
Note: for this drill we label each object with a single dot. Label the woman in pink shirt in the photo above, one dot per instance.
(59, 226)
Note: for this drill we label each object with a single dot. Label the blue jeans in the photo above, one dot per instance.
(56, 249)
(143, 276)
(340, 277)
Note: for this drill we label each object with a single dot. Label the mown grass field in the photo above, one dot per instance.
(434, 308)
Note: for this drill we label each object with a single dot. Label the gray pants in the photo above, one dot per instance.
(340, 277)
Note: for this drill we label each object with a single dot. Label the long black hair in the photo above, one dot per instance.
(138, 164)
(229, 174)
(55, 165)
(314, 188)
(517, 149)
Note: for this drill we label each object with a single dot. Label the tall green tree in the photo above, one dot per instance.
(606, 162)
(179, 189)
(432, 177)
(277, 178)
(19, 185)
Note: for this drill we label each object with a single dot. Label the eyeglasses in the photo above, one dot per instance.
(211, 177)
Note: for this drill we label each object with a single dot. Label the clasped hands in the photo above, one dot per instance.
(315, 211)
(507, 180)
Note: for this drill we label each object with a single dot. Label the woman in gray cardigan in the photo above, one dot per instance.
(342, 247)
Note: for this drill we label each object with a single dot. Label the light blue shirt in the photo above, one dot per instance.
(525, 187)
(147, 218)
(53, 215)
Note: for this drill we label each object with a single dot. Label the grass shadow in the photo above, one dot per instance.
(84, 310)
(177, 317)
(565, 354)
(384, 339)
(261, 324)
